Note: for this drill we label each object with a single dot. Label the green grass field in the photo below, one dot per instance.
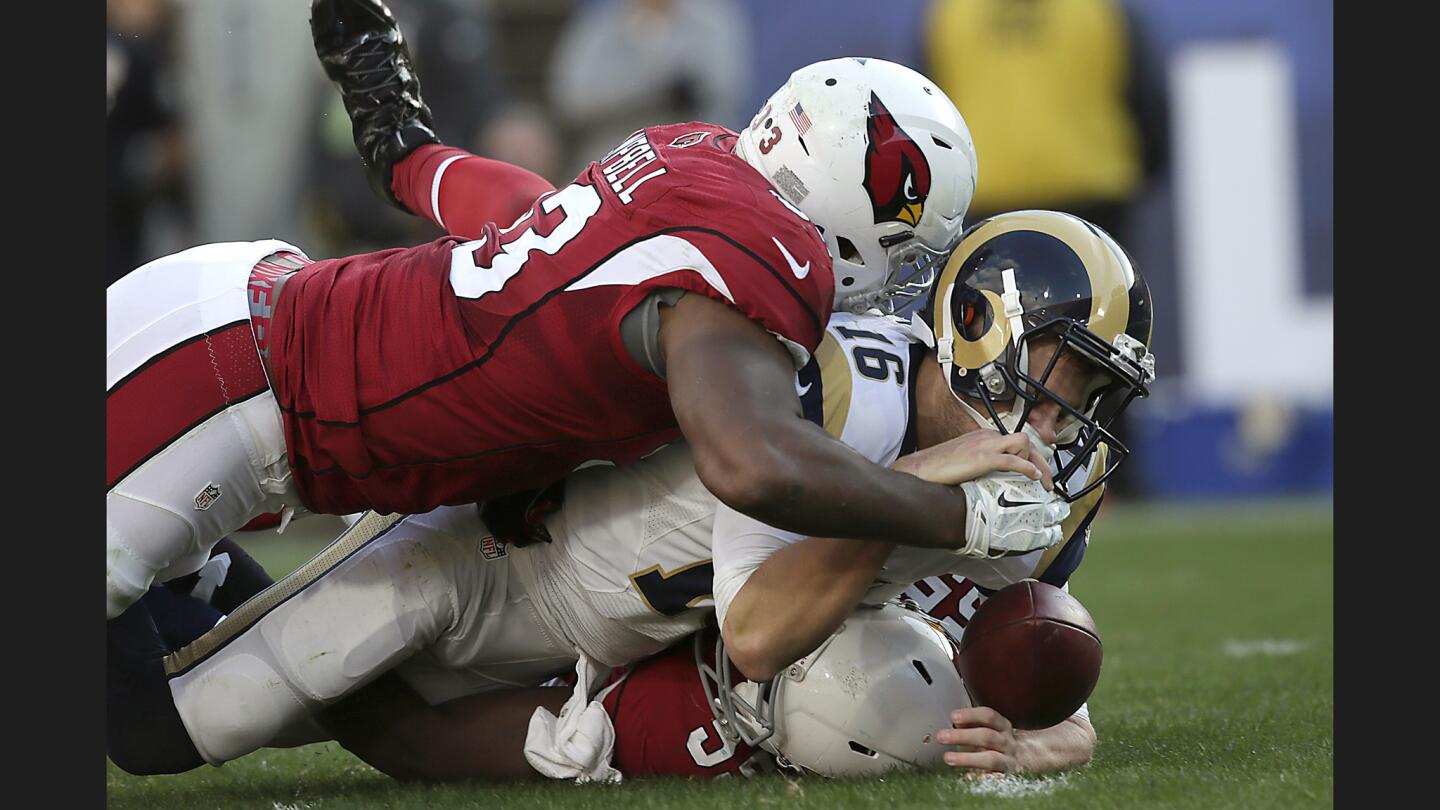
(1216, 692)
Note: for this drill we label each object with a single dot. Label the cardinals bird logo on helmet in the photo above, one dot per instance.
(897, 175)
(888, 200)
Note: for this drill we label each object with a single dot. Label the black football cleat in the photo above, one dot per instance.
(363, 52)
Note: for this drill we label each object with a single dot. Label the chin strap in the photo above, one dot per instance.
(990, 376)
(1013, 310)
(943, 342)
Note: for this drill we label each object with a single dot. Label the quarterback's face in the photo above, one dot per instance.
(1074, 379)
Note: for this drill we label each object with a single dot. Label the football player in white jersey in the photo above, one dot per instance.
(633, 564)
(1039, 325)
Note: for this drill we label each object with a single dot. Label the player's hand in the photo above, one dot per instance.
(1008, 514)
(985, 741)
(977, 453)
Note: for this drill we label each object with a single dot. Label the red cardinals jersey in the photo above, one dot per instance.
(460, 370)
(663, 724)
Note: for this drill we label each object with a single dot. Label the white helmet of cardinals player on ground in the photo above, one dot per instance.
(866, 701)
(880, 160)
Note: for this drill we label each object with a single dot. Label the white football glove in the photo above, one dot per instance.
(1010, 514)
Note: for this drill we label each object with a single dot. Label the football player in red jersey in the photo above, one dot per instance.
(671, 289)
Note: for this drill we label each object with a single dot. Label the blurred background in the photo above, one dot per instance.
(1199, 134)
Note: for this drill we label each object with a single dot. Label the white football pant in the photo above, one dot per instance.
(417, 595)
(194, 441)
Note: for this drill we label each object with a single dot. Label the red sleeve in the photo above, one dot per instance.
(462, 192)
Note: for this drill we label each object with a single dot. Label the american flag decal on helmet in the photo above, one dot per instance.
(802, 121)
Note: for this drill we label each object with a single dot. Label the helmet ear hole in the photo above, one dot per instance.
(848, 251)
(976, 315)
(847, 281)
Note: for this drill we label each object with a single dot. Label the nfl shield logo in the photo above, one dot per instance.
(492, 549)
(207, 497)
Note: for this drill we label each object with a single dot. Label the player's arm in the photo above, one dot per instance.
(479, 736)
(779, 594)
(986, 741)
(796, 599)
(732, 387)
(1067, 745)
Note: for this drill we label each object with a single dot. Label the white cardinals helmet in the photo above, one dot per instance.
(867, 700)
(880, 160)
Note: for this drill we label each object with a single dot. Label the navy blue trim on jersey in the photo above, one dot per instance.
(911, 441)
(1069, 558)
(671, 595)
(812, 401)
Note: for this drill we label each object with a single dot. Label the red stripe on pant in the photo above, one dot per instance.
(177, 391)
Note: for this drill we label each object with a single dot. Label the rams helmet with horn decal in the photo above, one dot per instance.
(880, 160)
(1028, 275)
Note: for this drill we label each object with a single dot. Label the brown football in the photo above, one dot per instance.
(1032, 653)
